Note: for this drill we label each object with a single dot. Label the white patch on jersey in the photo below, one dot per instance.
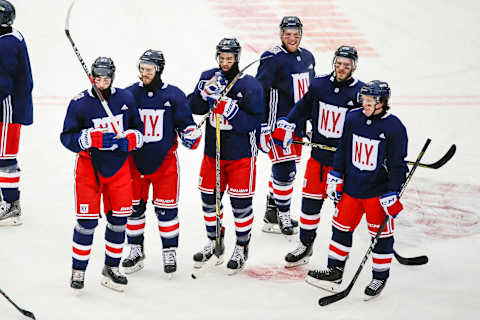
(364, 153)
(105, 123)
(275, 50)
(224, 124)
(350, 103)
(331, 120)
(239, 95)
(381, 135)
(83, 208)
(152, 124)
(78, 96)
(310, 67)
(124, 107)
(301, 82)
(167, 104)
(299, 58)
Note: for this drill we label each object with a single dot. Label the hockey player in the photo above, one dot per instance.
(101, 169)
(326, 103)
(285, 78)
(368, 172)
(241, 112)
(164, 111)
(16, 86)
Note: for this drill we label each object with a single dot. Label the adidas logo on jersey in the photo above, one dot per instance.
(350, 103)
(124, 107)
(381, 135)
(167, 104)
(239, 95)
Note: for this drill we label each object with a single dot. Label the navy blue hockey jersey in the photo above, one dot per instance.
(86, 111)
(326, 103)
(371, 155)
(238, 136)
(162, 112)
(16, 82)
(285, 78)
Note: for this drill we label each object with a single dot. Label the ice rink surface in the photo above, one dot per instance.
(428, 52)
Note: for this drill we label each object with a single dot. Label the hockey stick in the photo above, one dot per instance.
(105, 106)
(435, 165)
(218, 231)
(228, 88)
(23, 311)
(342, 294)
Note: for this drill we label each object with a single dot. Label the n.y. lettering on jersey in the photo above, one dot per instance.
(364, 153)
(105, 123)
(152, 124)
(330, 120)
(301, 82)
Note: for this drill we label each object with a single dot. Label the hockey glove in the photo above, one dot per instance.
(283, 134)
(133, 140)
(334, 185)
(265, 138)
(190, 137)
(214, 87)
(391, 204)
(95, 138)
(227, 107)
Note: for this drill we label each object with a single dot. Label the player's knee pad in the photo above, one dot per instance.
(242, 207)
(9, 165)
(311, 206)
(139, 210)
(284, 171)
(342, 237)
(166, 214)
(86, 226)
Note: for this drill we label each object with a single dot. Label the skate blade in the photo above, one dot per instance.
(324, 285)
(11, 222)
(271, 228)
(128, 270)
(232, 272)
(368, 298)
(107, 282)
(170, 275)
(300, 262)
(199, 268)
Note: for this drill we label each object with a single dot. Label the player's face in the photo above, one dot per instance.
(370, 106)
(147, 73)
(291, 39)
(226, 61)
(102, 82)
(343, 68)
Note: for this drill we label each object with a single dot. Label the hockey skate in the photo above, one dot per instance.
(134, 261)
(113, 279)
(327, 279)
(374, 289)
(301, 255)
(10, 213)
(203, 256)
(169, 261)
(271, 220)
(238, 259)
(77, 280)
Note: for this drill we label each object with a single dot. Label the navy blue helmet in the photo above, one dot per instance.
(103, 67)
(229, 45)
(290, 22)
(154, 57)
(378, 89)
(347, 52)
(7, 13)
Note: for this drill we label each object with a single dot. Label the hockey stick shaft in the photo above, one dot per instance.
(218, 232)
(338, 296)
(435, 165)
(24, 312)
(228, 88)
(105, 106)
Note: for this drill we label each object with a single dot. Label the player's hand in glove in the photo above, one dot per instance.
(391, 204)
(133, 139)
(265, 138)
(227, 107)
(214, 87)
(334, 185)
(96, 138)
(191, 136)
(283, 134)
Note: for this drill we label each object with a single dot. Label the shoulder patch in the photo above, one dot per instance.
(79, 96)
(275, 50)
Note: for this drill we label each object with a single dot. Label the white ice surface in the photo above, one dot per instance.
(427, 50)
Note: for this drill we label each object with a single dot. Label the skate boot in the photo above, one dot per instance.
(327, 279)
(238, 259)
(285, 223)
(169, 261)
(10, 213)
(204, 255)
(134, 261)
(374, 288)
(271, 220)
(301, 255)
(78, 279)
(113, 279)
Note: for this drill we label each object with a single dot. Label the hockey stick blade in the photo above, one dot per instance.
(333, 298)
(26, 313)
(413, 261)
(438, 164)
